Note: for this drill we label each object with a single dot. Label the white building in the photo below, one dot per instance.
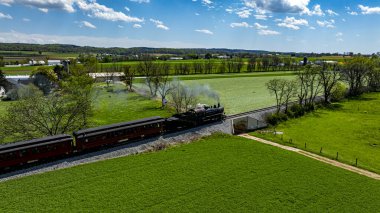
(54, 62)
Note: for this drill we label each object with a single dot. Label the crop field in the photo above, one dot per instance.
(218, 173)
(350, 128)
(119, 105)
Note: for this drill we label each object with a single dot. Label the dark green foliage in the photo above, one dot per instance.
(297, 110)
(275, 119)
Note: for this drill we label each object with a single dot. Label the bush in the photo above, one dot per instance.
(297, 110)
(339, 92)
(275, 119)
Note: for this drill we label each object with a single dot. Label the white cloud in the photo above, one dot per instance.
(44, 5)
(5, 16)
(120, 26)
(268, 32)
(17, 37)
(102, 12)
(279, 6)
(339, 37)
(242, 24)
(261, 17)
(44, 10)
(327, 24)
(208, 3)
(26, 19)
(6, 2)
(316, 11)
(293, 23)
(369, 10)
(94, 9)
(137, 26)
(353, 13)
(87, 24)
(208, 32)
(260, 27)
(245, 13)
(127, 9)
(140, 1)
(331, 13)
(159, 24)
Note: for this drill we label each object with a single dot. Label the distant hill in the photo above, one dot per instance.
(66, 48)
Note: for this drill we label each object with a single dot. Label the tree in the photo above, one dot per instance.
(56, 113)
(164, 85)
(149, 70)
(328, 79)
(129, 76)
(374, 80)
(44, 78)
(283, 90)
(309, 85)
(182, 96)
(209, 66)
(355, 74)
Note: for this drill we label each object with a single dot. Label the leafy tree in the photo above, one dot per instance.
(283, 90)
(328, 79)
(310, 85)
(129, 76)
(355, 73)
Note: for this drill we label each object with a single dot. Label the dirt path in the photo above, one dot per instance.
(316, 157)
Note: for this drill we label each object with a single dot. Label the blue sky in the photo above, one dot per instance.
(274, 25)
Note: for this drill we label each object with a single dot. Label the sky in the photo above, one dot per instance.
(272, 25)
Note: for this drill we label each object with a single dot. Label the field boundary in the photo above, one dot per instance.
(316, 157)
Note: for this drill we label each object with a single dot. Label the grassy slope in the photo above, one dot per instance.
(220, 173)
(352, 130)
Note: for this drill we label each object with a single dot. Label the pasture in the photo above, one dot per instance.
(350, 128)
(218, 173)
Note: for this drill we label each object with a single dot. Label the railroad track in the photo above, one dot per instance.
(250, 112)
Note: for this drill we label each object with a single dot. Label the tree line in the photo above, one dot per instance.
(359, 74)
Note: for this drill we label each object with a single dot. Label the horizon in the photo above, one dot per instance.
(273, 26)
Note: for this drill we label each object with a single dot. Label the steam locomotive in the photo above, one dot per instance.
(21, 153)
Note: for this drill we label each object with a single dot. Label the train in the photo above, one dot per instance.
(15, 155)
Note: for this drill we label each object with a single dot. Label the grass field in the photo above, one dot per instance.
(351, 129)
(120, 105)
(241, 94)
(217, 174)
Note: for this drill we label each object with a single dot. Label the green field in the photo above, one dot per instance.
(351, 129)
(120, 105)
(217, 174)
(241, 94)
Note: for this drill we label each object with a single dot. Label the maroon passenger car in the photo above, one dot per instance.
(118, 133)
(24, 152)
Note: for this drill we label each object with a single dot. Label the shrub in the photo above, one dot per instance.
(339, 92)
(297, 110)
(275, 119)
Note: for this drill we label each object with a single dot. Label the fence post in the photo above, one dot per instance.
(320, 152)
(305, 145)
(337, 155)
